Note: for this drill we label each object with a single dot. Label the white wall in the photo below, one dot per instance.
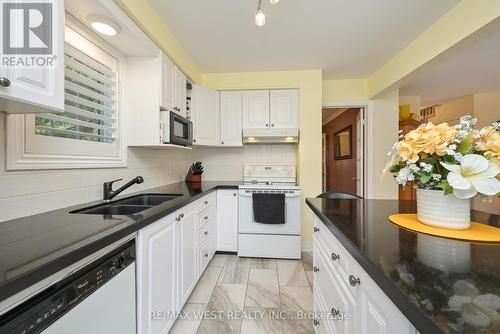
(24, 193)
(227, 163)
(383, 127)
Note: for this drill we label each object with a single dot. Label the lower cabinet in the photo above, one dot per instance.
(186, 263)
(347, 300)
(227, 220)
(171, 256)
(157, 256)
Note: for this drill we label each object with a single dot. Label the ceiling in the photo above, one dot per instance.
(345, 38)
(470, 68)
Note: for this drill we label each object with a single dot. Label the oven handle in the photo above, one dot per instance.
(245, 194)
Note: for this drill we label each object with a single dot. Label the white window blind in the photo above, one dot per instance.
(90, 101)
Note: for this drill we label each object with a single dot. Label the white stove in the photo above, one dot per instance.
(256, 239)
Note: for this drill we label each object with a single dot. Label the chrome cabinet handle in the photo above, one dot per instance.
(335, 257)
(234, 194)
(267, 125)
(272, 124)
(206, 217)
(178, 219)
(222, 142)
(205, 233)
(181, 215)
(206, 254)
(206, 202)
(316, 322)
(194, 140)
(335, 312)
(316, 229)
(354, 280)
(4, 82)
(316, 269)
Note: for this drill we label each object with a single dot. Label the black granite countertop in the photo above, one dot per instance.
(440, 285)
(35, 247)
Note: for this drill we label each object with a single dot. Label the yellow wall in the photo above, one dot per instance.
(309, 147)
(451, 111)
(356, 89)
(487, 108)
(145, 16)
(467, 17)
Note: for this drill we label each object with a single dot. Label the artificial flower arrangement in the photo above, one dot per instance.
(458, 161)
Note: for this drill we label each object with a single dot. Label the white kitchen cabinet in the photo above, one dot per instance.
(157, 258)
(180, 101)
(31, 90)
(168, 84)
(230, 118)
(370, 309)
(205, 116)
(186, 262)
(255, 109)
(173, 87)
(283, 109)
(227, 220)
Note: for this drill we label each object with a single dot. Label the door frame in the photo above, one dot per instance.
(366, 113)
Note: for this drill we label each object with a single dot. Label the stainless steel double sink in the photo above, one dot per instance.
(128, 205)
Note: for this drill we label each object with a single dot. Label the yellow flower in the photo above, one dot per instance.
(429, 139)
(490, 139)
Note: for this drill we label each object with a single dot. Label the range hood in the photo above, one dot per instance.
(271, 136)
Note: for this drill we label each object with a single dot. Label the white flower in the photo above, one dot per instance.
(474, 174)
(413, 167)
(436, 177)
(452, 147)
(476, 310)
(426, 167)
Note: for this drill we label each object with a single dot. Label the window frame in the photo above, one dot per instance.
(19, 137)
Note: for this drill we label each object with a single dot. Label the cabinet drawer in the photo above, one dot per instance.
(338, 300)
(322, 321)
(204, 256)
(337, 255)
(203, 234)
(203, 218)
(204, 203)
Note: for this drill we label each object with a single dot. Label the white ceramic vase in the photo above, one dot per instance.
(440, 210)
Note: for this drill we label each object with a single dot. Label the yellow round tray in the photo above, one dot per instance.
(477, 232)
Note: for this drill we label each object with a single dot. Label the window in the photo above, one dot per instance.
(88, 132)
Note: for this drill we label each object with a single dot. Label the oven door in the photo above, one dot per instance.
(292, 215)
(181, 130)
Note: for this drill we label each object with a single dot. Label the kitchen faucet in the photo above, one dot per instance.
(109, 193)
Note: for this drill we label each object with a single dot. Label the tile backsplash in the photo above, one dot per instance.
(24, 193)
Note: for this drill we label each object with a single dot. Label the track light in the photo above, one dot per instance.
(260, 17)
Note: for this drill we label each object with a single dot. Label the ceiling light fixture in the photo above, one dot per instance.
(260, 17)
(103, 25)
(274, 2)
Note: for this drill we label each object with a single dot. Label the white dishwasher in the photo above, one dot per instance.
(98, 298)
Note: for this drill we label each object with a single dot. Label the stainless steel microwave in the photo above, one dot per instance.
(175, 129)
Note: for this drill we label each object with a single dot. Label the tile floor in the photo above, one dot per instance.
(243, 295)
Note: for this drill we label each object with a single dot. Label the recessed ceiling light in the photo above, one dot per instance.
(103, 25)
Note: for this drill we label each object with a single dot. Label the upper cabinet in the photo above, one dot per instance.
(168, 84)
(283, 110)
(205, 116)
(230, 118)
(216, 117)
(274, 109)
(34, 89)
(173, 87)
(256, 109)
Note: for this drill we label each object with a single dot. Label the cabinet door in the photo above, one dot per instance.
(43, 87)
(168, 84)
(205, 116)
(227, 220)
(256, 109)
(187, 267)
(230, 119)
(284, 112)
(180, 103)
(377, 313)
(156, 276)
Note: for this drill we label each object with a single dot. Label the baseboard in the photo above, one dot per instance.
(307, 247)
